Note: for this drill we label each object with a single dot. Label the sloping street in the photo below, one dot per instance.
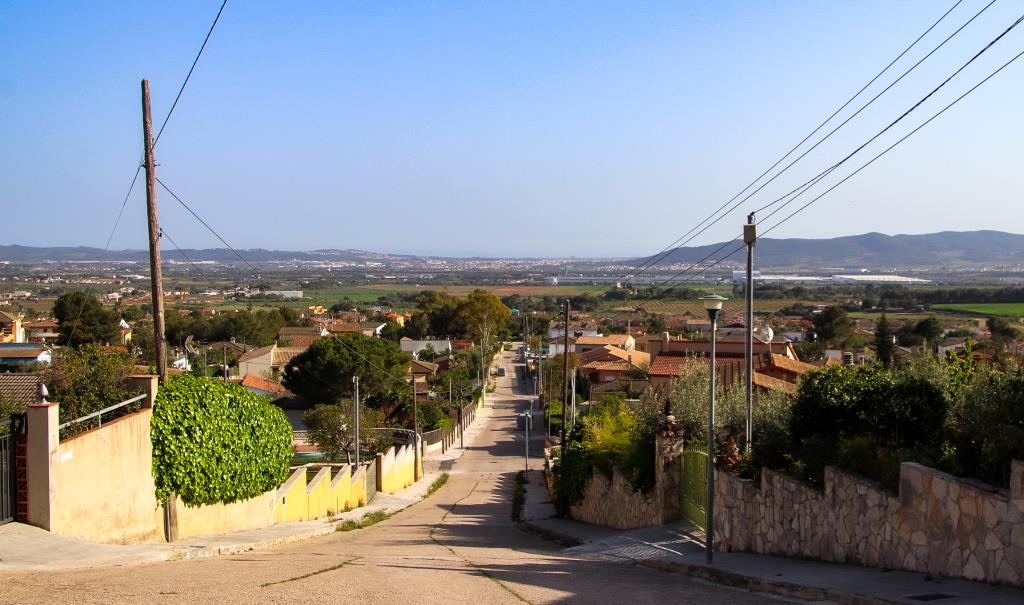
(459, 544)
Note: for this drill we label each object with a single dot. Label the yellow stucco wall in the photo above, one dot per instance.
(398, 469)
(341, 486)
(225, 518)
(320, 499)
(102, 486)
(357, 489)
(291, 498)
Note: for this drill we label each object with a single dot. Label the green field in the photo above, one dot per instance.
(1001, 309)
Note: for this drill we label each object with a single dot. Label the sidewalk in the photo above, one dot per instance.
(27, 548)
(679, 547)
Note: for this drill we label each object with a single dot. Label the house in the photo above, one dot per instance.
(613, 363)
(267, 361)
(589, 343)
(419, 373)
(413, 347)
(125, 332)
(11, 352)
(726, 347)
(45, 330)
(366, 328)
(11, 329)
(557, 345)
(729, 372)
(300, 337)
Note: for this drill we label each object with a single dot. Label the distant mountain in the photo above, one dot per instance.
(873, 251)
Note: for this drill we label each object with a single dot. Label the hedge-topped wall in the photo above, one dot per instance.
(215, 442)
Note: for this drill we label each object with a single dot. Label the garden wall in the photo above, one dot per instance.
(937, 523)
(614, 503)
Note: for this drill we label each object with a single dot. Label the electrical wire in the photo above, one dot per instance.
(163, 232)
(207, 225)
(658, 257)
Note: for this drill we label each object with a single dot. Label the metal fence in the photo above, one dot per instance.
(7, 480)
(693, 484)
(95, 419)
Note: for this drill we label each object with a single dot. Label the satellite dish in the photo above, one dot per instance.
(764, 333)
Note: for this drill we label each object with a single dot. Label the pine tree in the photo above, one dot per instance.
(885, 348)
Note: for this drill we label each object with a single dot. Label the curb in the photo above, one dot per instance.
(777, 587)
(563, 539)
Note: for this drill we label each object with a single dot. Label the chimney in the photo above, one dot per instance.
(665, 337)
(847, 358)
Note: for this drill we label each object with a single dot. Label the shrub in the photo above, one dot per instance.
(987, 429)
(864, 456)
(217, 443)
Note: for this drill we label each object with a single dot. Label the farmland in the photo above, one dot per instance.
(1000, 309)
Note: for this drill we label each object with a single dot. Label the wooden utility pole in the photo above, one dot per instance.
(155, 276)
(565, 373)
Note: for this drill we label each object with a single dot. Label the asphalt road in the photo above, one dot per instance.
(458, 545)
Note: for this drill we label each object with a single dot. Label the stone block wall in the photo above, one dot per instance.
(937, 523)
(614, 503)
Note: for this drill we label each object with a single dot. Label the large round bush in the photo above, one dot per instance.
(216, 442)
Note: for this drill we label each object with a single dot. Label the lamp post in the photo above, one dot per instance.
(713, 305)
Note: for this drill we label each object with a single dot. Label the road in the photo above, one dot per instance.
(458, 545)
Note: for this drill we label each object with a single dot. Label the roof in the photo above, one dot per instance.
(774, 384)
(42, 323)
(423, 367)
(7, 317)
(608, 366)
(612, 353)
(670, 365)
(339, 327)
(23, 388)
(611, 339)
(287, 331)
(282, 355)
(301, 341)
(257, 353)
(789, 365)
(260, 383)
(21, 352)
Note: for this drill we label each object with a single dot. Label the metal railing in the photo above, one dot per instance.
(99, 415)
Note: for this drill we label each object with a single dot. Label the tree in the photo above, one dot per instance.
(481, 315)
(324, 371)
(885, 347)
(87, 380)
(1001, 329)
(832, 325)
(418, 326)
(930, 329)
(332, 429)
(84, 320)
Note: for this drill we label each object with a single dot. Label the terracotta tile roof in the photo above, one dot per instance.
(7, 317)
(670, 365)
(282, 355)
(20, 352)
(256, 353)
(23, 388)
(612, 339)
(260, 383)
(423, 367)
(608, 366)
(43, 323)
(301, 341)
(790, 365)
(612, 353)
(774, 384)
(289, 331)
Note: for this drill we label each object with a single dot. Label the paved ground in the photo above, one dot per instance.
(459, 544)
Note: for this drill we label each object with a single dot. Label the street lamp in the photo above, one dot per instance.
(713, 305)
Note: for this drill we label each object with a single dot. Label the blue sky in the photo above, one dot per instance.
(524, 129)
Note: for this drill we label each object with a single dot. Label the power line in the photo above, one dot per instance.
(205, 224)
(663, 253)
(163, 231)
(905, 137)
(138, 169)
(906, 113)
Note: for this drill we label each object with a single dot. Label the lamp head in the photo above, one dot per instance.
(713, 304)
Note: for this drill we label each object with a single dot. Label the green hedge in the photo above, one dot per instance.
(217, 443)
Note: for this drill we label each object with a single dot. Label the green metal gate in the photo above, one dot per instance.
(694, 483)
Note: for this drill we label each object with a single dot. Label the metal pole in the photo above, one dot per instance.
(526, 425)
(155, 276)
(565, 375)
(709, 503)
(355, 379)
(573, 399)
(749, 237)
(416, 432)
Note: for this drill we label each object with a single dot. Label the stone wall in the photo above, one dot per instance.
(614, 503)
(937, 523)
